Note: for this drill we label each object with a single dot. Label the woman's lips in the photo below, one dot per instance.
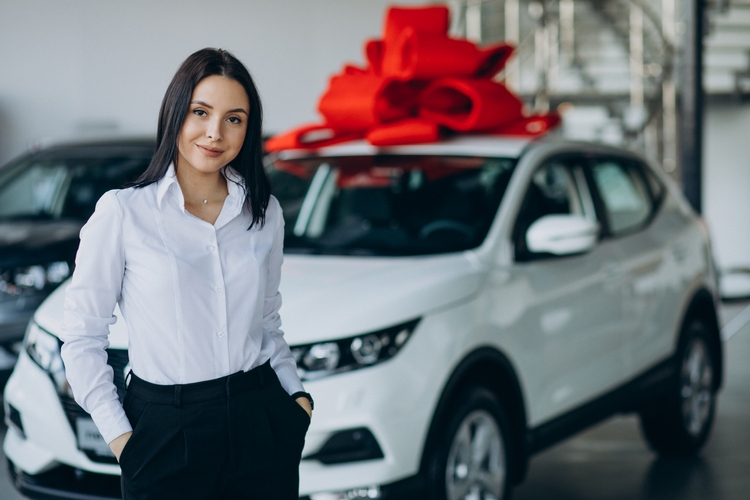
(210, 152)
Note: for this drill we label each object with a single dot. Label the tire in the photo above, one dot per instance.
(678, 424)
(477, 425)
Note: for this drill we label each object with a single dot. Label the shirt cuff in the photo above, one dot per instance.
(111, 421)
(289, 379)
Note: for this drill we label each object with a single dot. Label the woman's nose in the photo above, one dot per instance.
(213, 131)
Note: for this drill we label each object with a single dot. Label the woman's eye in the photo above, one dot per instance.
(199, 112)
(234, 119)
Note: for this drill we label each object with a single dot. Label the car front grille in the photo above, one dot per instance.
(118, 360)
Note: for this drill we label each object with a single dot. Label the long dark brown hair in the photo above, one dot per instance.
(174, 108)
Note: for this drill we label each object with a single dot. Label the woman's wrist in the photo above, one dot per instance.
(306, 395)
(118, 444)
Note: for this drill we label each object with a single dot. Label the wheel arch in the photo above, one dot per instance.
(490, 368)
(703, 306)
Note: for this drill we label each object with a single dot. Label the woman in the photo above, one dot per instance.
(192, 254)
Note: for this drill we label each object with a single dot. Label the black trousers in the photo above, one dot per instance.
(236, 437)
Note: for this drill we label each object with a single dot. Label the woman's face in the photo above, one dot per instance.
(214, 129)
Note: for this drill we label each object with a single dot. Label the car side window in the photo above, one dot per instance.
(624, 194)
(553, 190)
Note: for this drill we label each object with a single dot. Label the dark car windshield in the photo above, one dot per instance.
(66, 183)
(388, 204)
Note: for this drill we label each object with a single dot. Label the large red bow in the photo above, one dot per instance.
(418, 83)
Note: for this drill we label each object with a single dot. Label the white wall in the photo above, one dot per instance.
(72, 67)
(726, 182)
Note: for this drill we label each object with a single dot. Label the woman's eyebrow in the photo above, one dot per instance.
(235, 110)
(202, 104)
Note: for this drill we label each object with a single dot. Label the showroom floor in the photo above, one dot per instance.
(612, 462)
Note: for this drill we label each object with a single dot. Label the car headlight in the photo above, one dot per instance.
(44, 349)
(326, 358)
(16, 281)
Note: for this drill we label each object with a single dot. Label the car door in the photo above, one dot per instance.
(629, 199)
(567, 330)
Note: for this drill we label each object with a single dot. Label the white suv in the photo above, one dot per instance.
(454, 308)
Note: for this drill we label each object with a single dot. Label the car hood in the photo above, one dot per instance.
(327, 298)
(333, 297)
(34, 242)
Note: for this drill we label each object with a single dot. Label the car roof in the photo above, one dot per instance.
(467, 145)
(116, 142)
(506, 147)
(140, 146)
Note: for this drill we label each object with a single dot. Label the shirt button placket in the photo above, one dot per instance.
(221, 316)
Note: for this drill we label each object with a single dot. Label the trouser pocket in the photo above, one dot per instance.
(267, 433)
(134, 410)
(289, 423)
(154, 459)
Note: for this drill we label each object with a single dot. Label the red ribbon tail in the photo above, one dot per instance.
(309, 137)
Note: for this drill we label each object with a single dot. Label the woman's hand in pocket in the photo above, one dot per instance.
(304, 403)
(118, 443)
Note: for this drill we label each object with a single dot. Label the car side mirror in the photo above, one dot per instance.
(562, 235)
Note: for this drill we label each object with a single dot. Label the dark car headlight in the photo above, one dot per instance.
(37, 277)
(44, 349)
(327, 358)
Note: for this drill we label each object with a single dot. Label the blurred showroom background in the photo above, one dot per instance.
(614, 68)
(618, 71)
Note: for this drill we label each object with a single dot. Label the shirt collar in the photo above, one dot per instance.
(235, 186)
(162, 187)
(235, 199)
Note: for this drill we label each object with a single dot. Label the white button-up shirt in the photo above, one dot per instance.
(201, 301)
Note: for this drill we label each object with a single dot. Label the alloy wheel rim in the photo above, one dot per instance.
(696, 387)
(476, 460)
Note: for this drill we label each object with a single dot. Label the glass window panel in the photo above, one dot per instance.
(624, 194)
(388, 204)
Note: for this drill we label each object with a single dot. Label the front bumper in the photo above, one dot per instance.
(397, 413)
(64, 482)
(67, 483)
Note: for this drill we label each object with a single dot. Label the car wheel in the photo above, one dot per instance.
(470, 460)
(679, 423)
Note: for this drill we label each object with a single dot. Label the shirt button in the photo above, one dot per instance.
(220, 334)
(217, 289)
(211, 247)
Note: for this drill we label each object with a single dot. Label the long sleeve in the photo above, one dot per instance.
(282, 360)
(89, 305)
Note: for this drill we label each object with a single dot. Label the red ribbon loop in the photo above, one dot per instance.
(469, 105)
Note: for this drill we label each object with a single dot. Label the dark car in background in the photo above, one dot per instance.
(45, 198)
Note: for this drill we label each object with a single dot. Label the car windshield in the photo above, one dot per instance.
(65, 184)
(388, 204)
